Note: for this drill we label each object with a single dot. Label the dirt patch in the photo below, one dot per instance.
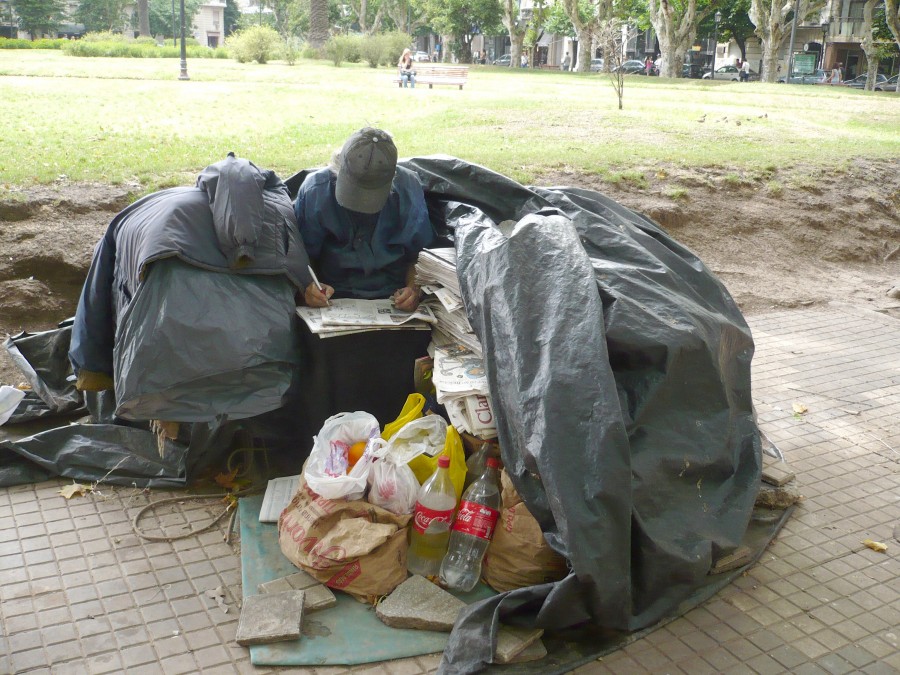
(777, 240)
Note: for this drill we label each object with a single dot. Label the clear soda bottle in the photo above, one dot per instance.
(472, 530)
(432, 516)
(475, 465)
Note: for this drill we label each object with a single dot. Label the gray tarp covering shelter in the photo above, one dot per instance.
(189, 301)
(619, 369)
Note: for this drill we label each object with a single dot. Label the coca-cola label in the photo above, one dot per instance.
(434, 522)
(476, 519)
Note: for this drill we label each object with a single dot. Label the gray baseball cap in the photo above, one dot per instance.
(366, 171)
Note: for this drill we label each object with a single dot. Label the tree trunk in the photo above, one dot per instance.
(516, 33)
(892, 18)
(772, 25)
(675, 33)
(583, 58)
(318, 23)
(144, 17)
(868, 44)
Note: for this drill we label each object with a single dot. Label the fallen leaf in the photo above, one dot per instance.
(226, 480)
(799, 408)
(875, 545)
(75, 490)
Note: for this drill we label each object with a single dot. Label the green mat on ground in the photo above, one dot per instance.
(348, 633)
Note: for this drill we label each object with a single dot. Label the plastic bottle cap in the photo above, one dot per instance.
(493, 462)
(443, 461)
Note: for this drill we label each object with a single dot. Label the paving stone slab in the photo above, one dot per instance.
(318, 595)
(533, 652)
(776, 473)
(418, 603)
(512, 641)
(270, 617)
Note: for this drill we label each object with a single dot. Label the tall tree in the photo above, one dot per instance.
(161, 19)
(143, 7)
(318, 23)
(586, 17)
(407, 16)
(39, 17)
(892, 19)
(462, 20)
(102, 15)
(231, 16)
(675, 23)
(773, 19)
(516, 29)
(736, 25)
(869, 43)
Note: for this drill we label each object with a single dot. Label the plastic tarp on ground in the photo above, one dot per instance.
(619, 368)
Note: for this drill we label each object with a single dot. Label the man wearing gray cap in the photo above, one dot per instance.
(363, 221)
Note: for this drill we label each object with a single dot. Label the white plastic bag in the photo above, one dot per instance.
(394, 485)
(9, 401)
(326, 470)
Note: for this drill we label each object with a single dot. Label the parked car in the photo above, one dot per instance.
(817, 77)
(421, 56)
(731, 72)
(692, 71)
(859, 82)
(890, 85)
(503, 60)
(596, 65)
(631, 67)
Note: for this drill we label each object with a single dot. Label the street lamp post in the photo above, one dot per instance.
(718, 19)
(790, 71)
(184, 74)
(824, 34)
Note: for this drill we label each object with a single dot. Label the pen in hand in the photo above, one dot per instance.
(316, 282)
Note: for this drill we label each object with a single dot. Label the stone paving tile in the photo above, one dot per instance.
(82, 593)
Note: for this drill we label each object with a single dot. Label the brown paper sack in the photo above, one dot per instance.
(519, 555)
(352, 546)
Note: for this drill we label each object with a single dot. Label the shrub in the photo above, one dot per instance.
(130, 49)
(257, 43)
(291, 50)
(373, 49)
(310, 53)
(43, 43)
(395, 43)
(342, 48)
(102, 36)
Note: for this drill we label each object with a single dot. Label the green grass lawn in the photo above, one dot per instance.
(119, 120)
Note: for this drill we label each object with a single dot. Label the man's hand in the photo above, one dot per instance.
(313, 297)
(407, 298)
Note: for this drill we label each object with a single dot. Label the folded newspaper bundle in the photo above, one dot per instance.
(436, 275)
(462, 388)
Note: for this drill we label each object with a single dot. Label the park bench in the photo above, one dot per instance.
(436, 73)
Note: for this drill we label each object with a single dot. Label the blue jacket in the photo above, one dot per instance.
(361, 261)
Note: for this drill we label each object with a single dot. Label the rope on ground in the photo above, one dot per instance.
(230, 508)
(153, 537)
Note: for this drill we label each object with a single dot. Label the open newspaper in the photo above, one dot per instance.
(347, 316)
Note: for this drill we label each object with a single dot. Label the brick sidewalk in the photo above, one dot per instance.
(80, 593)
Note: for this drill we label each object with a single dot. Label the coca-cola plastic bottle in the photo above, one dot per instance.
(433, 514)
(472, 530)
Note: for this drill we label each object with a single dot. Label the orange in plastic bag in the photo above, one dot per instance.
(423, 465)
(412, 409)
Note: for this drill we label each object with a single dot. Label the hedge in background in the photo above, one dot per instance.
(43, 43)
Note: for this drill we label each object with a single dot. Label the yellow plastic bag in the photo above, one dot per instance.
(412, 410)
(424, 465)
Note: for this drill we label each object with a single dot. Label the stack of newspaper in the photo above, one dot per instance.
(462, 389)
(347, 316)
(436, 275)
(458, 377)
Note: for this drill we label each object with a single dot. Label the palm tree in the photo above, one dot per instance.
(318, 23)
